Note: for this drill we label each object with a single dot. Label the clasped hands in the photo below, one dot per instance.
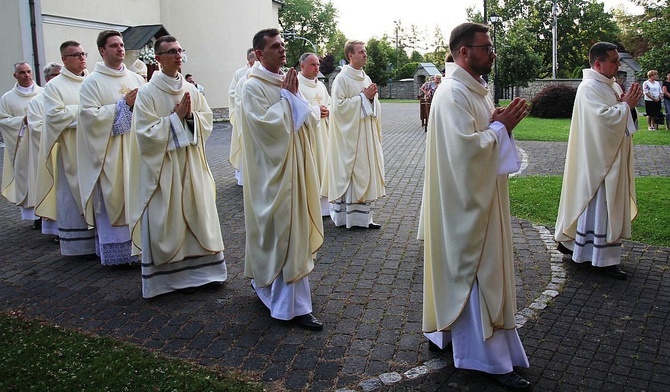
(633, 95)
(184, 108)
(511, 115)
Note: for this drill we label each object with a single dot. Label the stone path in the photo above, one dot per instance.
(596, 335)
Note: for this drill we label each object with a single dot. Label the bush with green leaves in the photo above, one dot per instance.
(554, 101)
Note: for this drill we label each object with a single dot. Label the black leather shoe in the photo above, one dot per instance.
(374, 226)
(434, 348)
(615, 271)
(561, 248)
(512, 381)
(308, 321)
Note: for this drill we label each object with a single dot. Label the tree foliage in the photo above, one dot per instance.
(514, 48)
(648, 35)
(315, 20)
(580, 24)
(377, 66)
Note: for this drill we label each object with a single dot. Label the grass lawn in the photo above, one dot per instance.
(536, 199)
(557, 130)
(37, 357)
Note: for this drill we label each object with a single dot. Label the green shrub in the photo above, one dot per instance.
(554, 101)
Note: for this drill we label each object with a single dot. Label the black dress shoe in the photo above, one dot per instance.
(434, 348)
(615, 271)
(512, 381)
(308, 321)
(562, 248)
(374, 226)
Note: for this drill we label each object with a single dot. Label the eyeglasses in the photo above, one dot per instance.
(79, 55)
(489, 48)
(172, 52)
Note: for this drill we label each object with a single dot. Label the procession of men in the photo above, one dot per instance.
(114, 167)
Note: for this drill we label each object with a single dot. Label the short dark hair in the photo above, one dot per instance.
(187, 76)
(258, 42)
(66, 45)
(159, 42)
(599, 51)
(463, 35)
(103, 35)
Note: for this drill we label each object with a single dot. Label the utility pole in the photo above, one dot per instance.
(554, 39)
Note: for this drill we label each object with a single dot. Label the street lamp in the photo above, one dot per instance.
(495, 19)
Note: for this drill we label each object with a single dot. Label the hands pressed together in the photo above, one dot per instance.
(370, 91)
(633, 95)
(184, 108)
(290, 81)
(511, 115)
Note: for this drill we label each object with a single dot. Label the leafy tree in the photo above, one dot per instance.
(407, 70)
(335, 46)
(516, 47)
(649, 35)
(328, 64)
(377, 66)
(416, 57)
(314, 20)
(580, 25)
(438, 48)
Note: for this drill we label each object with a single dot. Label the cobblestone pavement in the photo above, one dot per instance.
(596, 335)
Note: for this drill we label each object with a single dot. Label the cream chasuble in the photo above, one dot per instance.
(61, 105)
(236, 149)
(170, 185)
(355, 157)
(105, 154)
(281, 187)
(465, 221)
(315, 92)
(16, 161)
(600, 152)
(235, 156)
(35, 113)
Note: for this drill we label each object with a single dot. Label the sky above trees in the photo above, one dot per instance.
(365, 19)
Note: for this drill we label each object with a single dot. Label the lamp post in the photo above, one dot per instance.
(495, 19)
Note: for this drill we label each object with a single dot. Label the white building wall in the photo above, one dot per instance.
(16, 45)
(216, 34)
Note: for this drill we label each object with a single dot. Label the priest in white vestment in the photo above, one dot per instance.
(283, 222)
(171, 195)
(107, 97)
(13, 124)
(59, 142)
(35, 119)
(234, 102)
(354, 176)
(469, 296)
(598, 196)
(316, 93)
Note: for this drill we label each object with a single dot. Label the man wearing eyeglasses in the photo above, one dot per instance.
(107, 98)
(469, 288)
(172, 194)
(13, 122)
(59, 139)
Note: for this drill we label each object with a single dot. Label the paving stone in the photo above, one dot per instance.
(583, 332)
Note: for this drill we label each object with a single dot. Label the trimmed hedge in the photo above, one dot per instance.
(554, 101)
